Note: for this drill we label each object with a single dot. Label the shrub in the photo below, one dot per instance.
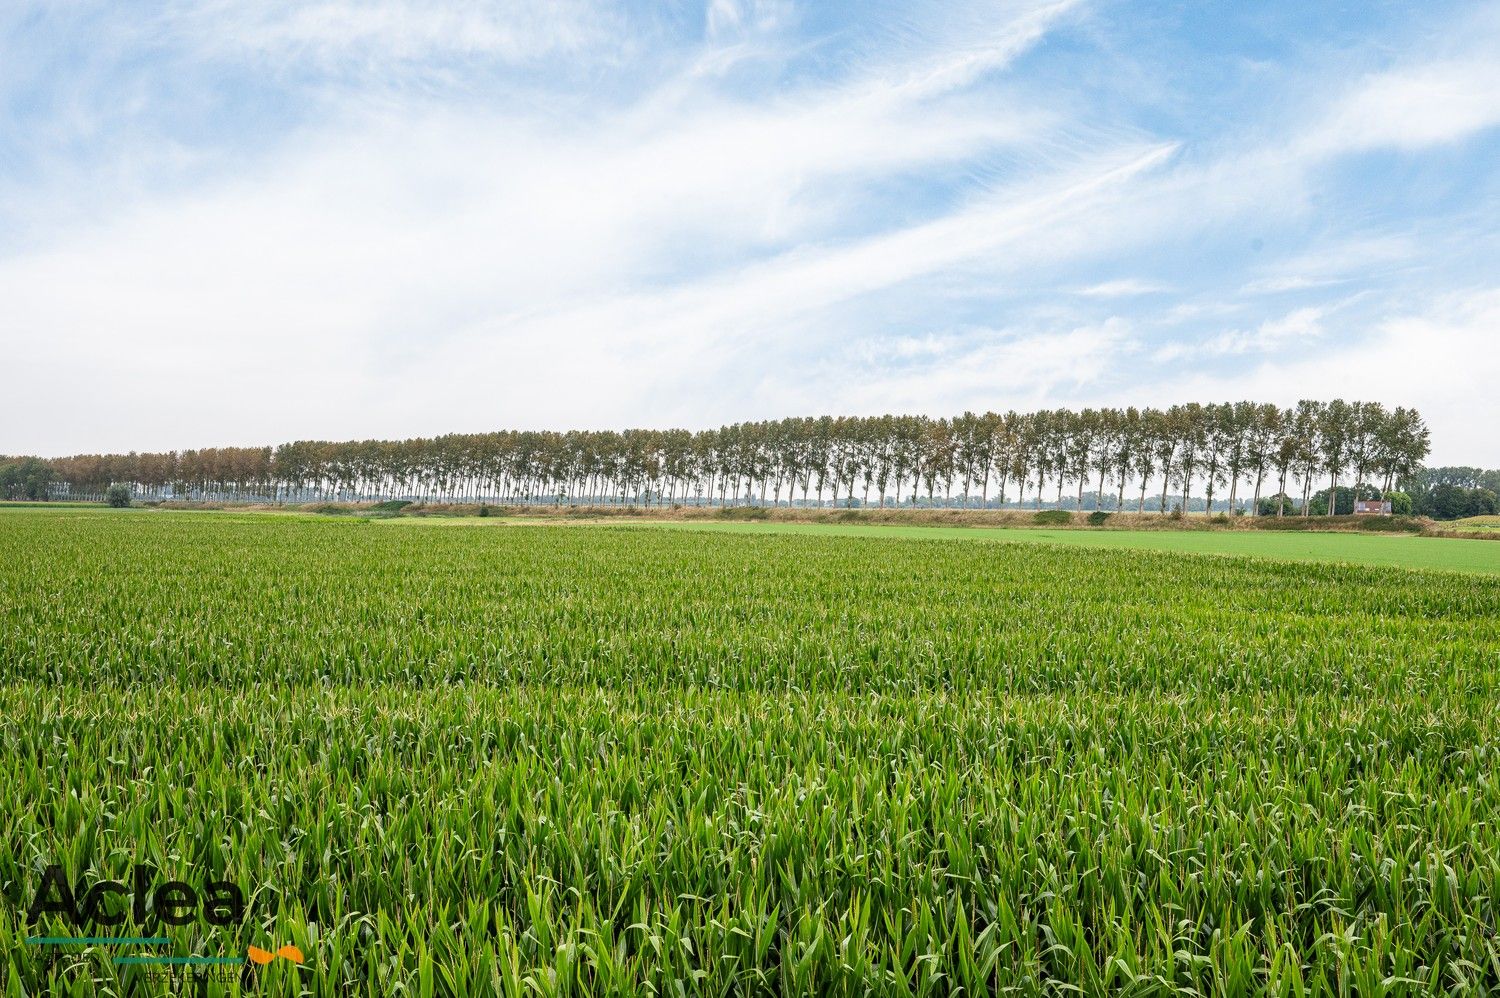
(743, 513)
(1389, 524)
(484, 509)
(1052, 518)
(1316, 523)
(117, 495)
(1098, 518)
(392, 506)
(1401, 504)
(1219, 518)
(1454, 502)
(1280, 501)
(26, 478)
(1176, 513)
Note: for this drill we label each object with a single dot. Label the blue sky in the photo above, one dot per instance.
(247, 223)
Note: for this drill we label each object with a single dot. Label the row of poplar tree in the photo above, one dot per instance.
(1232, 451)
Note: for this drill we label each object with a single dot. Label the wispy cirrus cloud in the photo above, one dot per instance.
(385, 30)
(1330, 263)
(1296, 328)
(1413, 107)
(1027, 366)
(432, 245)
(1123, 288)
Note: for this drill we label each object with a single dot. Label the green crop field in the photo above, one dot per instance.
(1479, 523)
(1396, 550)
(590, 760)
(1393, 550)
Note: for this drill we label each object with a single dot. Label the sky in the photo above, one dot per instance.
(227, 223)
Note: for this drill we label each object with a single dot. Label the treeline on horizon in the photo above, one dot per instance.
(968, 460)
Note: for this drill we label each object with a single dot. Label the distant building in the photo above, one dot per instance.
(1372, 507)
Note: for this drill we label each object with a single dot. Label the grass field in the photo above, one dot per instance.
(1483, 523)
(585, 760)
(1390, 550)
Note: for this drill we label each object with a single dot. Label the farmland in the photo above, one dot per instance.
(1399, 550)
(1477, 523)
(578, 759)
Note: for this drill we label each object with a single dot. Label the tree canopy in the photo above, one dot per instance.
(1228, 454)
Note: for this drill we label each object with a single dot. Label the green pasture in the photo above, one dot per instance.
(1386, 550)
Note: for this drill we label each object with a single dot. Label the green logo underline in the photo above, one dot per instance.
(196, 960)
(133, 941)
(97, 940)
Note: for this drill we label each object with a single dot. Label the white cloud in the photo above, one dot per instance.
(425, 268)
(345, 31)
(700, 349)
(1443, 358)
(1334, 262)
(735, 18)
(1299, 328)
(1441, 89)
(1124, 287)
(981, 369)
(1413, 107)
(985, 50)
(1288, 282)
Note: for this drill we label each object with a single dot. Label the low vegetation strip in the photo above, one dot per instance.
(1480, 557)
(589, 760)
